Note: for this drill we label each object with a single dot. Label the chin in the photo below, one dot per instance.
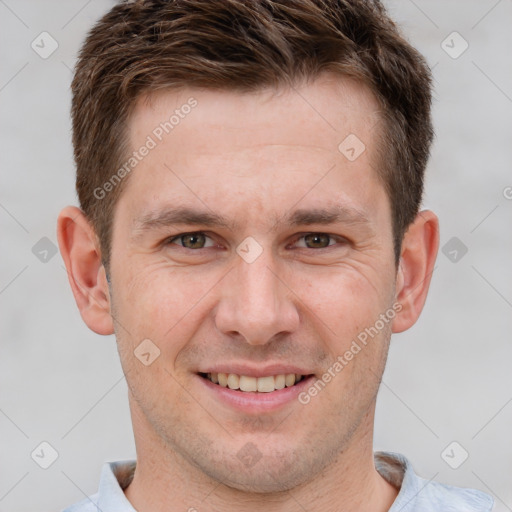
(262, 480)
(265, 473)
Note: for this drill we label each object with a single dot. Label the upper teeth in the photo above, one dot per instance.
(262, 384)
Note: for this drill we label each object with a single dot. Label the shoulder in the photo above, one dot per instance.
(420, 495)
(115, 476)
(451, 498)
(86, 505)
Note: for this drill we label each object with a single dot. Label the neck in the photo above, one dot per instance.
(166, 481)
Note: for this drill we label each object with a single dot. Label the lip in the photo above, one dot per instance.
(254, 403)
(251, 371)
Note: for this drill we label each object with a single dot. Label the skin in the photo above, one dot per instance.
(253, 158)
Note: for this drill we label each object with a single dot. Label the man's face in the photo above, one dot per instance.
(290, 259)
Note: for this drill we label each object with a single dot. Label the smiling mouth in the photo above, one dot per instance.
(254, 384)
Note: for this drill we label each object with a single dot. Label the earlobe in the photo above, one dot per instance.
(418, 256)
(82, 257)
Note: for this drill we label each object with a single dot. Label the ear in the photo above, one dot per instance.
(418, 255)
(80, 251)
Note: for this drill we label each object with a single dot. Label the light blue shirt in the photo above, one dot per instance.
(416, 494)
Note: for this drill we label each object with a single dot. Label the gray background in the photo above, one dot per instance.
(448, 378)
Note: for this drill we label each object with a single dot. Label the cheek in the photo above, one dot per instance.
(155, 314)
(349, 311)
(345, 300)
(162, 304)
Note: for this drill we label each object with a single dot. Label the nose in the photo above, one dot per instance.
(256, 304)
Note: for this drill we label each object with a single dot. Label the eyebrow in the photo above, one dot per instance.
(187, 216)
(329, 215)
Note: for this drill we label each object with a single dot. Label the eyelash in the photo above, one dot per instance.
(339, 239)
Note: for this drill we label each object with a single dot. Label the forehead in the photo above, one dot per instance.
(268, 143)
(332, 105)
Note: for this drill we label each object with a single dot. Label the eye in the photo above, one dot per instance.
(200, 240)
(317, 240)
(191, 240)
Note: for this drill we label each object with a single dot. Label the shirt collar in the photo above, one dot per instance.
(416, 494)
(115, 477)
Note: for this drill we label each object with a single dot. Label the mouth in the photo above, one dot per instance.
(260, 392)
(249, 384)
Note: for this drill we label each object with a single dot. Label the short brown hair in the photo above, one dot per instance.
(147, 45)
